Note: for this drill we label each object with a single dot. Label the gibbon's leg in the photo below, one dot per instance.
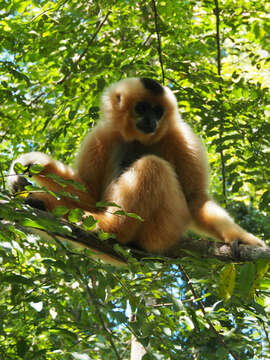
(18, 182)
(150, 189)
(210, 217)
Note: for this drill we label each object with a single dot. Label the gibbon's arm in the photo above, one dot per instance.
(90, 167)
(192, 169)
(94, 163)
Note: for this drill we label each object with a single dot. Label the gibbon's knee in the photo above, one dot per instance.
(170, 217)
(150, 189)
(144, 186)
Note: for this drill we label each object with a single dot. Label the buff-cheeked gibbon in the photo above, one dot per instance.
(143, 157)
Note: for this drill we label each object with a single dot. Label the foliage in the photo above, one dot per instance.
(56, 58)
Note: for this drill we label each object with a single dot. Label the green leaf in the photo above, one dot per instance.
(35, 169)
(106, 204)
(104, 235)
(72, 114)
(261, 268)
(64, 182)
(89, 223)
(19, 168)
(226, 281)
(131, 215)
(75, 215)
(247, 281)
(22, 347)
(60, 210)
(17, 279)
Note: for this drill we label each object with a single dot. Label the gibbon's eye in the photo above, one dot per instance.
(159, 111)
(142, 107)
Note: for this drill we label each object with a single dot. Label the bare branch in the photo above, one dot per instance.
(159, 40)
(218, 41)
(89, 43)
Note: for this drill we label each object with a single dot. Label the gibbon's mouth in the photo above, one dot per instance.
(147, 127)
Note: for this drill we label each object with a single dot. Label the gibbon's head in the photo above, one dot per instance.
(140, 109)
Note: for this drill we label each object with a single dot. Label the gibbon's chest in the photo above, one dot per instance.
(126, 153)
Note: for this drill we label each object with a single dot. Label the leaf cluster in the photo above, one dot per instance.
(56, 58)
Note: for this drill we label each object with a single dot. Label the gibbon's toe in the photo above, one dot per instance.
(253, 240)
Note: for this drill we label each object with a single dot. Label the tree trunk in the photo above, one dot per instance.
(137, 350)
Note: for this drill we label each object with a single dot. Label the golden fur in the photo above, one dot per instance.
(165, 183)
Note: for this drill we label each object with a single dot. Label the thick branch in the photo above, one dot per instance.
(106, 249)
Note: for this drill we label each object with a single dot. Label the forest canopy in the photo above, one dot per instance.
(56, 58)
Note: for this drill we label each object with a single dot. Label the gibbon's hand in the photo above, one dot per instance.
(17, 182)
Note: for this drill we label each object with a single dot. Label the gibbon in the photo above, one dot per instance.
(143, 157)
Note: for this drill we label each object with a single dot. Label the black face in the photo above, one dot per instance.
(148, 116)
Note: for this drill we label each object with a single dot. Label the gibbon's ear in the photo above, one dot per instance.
(119, 99)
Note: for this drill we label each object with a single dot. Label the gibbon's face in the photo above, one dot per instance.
(147, 116)
(139, 109)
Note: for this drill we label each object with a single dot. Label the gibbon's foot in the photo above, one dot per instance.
(245, 238)
(35, 203)
(17, 182)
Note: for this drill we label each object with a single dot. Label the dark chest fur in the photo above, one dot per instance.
(130, 152)
(127, 153)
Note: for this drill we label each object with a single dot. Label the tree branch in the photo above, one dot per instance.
(89, 43)
(159, 40)
(107, 250)
(219, 68)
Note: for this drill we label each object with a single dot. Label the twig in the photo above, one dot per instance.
(139, 49)
(196, 298)
(89, 42)
(91, 295)
(2, 177)
(94, 301)
(217, 13)
(159, 41)
(93, 37)
(266, 333)
(219, 69)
